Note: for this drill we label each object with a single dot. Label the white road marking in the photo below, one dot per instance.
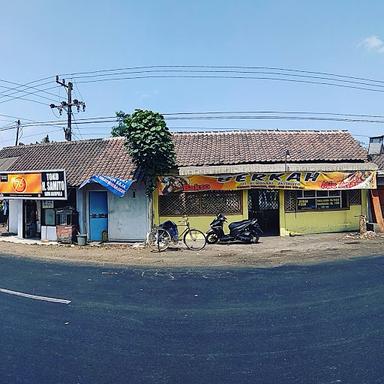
(34, 297)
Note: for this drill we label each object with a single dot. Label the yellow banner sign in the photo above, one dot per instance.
(284, 180)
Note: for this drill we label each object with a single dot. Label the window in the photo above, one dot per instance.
(201, 203)
(48, 217)
(321, 200)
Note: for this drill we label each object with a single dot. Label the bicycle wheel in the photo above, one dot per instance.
(194, 239)
(159, 239)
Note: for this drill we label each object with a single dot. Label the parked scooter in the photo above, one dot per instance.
(246, 231)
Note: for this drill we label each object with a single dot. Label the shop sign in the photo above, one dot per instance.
(319, 203)
(39, 185)
(283, 180)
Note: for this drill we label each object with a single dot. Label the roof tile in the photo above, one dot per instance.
(82, 159)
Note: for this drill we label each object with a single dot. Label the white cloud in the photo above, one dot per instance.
(373, 43)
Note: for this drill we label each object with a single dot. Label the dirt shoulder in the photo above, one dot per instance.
(270, 252)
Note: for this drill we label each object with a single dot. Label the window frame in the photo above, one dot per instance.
(200, 203)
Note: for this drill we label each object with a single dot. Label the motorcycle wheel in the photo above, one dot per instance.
(212, 238)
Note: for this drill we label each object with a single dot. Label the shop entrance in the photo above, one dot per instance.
(263, 204)
(30, 219)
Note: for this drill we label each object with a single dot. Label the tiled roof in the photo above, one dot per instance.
(379, 161)
(82, 159)
(242, 147)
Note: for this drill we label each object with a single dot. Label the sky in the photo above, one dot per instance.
(40, 39)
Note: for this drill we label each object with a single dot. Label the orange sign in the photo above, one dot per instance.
(284, 180)
(26, 183)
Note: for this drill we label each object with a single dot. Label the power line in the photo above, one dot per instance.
(273, 117)
(15, 117)
(225, 67)
(29, 83)
(246, 73)
(24, 91)
(234, 78)
(225, 115)
(336, 79)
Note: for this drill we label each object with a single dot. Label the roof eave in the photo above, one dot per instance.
(276, 167)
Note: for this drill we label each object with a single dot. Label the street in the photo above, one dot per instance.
(320, 323)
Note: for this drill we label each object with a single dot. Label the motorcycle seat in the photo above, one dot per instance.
(238, 224)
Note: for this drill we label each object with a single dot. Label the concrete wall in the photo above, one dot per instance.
(290, 222)
(128, 215)
(322, 221)
(16, 217)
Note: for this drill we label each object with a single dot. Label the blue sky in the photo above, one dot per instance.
(42, 38)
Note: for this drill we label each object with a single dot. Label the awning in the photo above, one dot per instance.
(118, 187)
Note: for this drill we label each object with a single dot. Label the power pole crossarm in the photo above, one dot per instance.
(67, 106)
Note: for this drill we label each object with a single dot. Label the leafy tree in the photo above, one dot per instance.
(121, 127)
(149, 142)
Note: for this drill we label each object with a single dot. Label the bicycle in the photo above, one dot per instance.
(161, 239)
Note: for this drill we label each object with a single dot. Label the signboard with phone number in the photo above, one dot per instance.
(318, 203)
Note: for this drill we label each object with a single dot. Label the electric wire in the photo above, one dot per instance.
(225, 67)
(28, 87)
(246, 73)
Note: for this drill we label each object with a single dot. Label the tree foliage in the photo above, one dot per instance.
(120, 128)
(149, 142)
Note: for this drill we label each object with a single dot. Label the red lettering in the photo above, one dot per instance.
(196, 187)
(328, 185)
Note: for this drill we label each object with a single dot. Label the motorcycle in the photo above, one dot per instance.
(246, 231)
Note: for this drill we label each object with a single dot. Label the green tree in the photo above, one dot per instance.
(121, 128)
(149, 142)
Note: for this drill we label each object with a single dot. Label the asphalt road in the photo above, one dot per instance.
(298, 324)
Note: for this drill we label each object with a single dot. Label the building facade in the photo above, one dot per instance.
(103, 192)
(293, 182)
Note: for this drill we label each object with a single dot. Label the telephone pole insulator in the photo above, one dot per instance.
(67, 106)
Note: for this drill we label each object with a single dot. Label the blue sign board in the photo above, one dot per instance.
(115, 185)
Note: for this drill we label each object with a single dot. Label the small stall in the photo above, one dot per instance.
(33, 197)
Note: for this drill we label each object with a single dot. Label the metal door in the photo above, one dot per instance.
(98, 215)
(263, 204)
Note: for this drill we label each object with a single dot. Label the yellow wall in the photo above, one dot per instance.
(290, 222)
(321, 221)
(198, 222)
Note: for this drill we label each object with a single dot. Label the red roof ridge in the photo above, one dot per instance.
(259, 131)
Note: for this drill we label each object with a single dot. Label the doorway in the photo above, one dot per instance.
(263, 204)
(98, 215)
(30, 219)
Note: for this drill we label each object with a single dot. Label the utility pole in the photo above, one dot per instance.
(67, 106)
(17, 132)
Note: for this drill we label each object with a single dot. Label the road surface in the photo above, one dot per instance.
(294, 324)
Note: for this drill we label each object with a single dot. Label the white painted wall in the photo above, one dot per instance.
(82, 209)
(16, 217)
(128, 215)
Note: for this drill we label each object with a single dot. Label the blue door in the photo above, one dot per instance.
(98, 215)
